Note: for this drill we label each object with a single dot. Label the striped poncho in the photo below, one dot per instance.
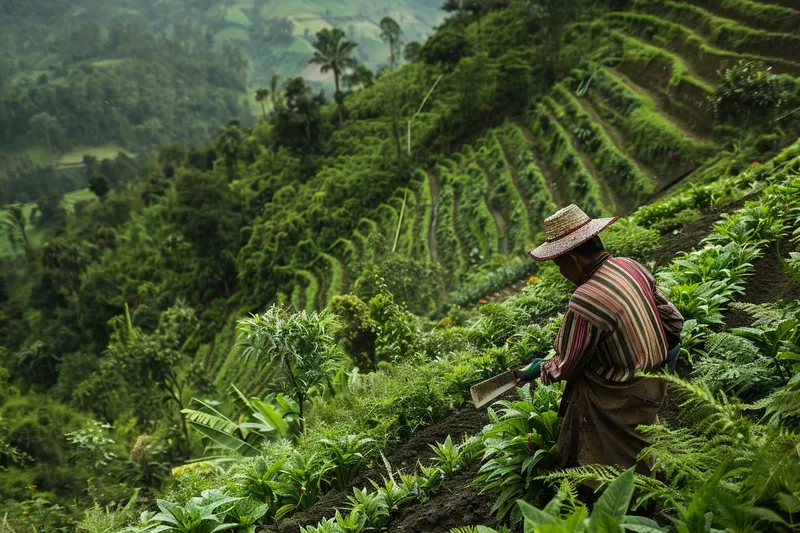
(617, 324)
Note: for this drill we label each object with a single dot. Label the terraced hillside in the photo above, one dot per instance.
(629, 124)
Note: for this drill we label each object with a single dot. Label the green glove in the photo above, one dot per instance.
(533, 370)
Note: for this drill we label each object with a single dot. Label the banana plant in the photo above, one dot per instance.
(267, 419)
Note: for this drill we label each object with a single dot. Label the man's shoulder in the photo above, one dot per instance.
(630, 265)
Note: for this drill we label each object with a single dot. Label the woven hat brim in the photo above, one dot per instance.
(551, 250)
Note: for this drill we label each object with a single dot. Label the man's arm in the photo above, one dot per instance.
(671, 318)
(574, 345)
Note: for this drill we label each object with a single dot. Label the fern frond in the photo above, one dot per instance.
(600, 474)
(709, 413)
(762, 314)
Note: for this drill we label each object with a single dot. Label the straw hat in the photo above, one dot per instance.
(567, 229)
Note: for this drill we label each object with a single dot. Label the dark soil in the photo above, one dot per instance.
(768, 284)
(465, 421)
(691, 235)
(457, 504)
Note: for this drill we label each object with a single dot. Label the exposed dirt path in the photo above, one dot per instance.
(769, 283)
(433, 183)
(663, 110)
(463, 249)
(607, 194)
(558, 198)
(616, 138)
(502, 230)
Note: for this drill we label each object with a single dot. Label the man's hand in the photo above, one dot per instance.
(530, 372)
(519, 373)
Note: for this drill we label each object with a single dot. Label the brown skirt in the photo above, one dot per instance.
(600, 420)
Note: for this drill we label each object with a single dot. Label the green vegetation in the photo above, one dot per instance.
(219, 333)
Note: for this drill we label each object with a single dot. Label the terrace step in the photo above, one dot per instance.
(435, 187)
(607, 195)
(731, 38)
(558, 197)
(775, 15)
(616, 137)
(663, 106)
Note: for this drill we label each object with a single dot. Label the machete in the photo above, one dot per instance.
(486, 391)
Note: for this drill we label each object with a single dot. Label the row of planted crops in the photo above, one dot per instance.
(729, 458)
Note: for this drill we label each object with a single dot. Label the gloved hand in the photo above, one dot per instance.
(530, 372)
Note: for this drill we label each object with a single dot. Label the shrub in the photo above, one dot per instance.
(747, 89)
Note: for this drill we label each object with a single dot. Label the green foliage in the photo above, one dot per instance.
(520, 442)
(747, 89)
(627, 239)
(204, 514)
(348, 455)
(358, 329)
(566, 513)
(301, 344)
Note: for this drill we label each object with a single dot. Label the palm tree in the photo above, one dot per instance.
(333, 54)
(391, 33)
(15, 221)
(261, 95)
(45, 124)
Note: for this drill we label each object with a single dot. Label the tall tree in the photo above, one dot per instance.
(261, 95)
(391, 34)
(274, 94)
(412, 51)
(228, 142)
(332, 54)
(45, 124)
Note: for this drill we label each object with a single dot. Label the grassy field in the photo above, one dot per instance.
(36, 235)
(74, 157)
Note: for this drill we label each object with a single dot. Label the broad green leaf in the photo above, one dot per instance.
(227, 441)
(272, 416)
(641, 524)
(762, 513)
(615, 499)
(533, 515)
(604, 522)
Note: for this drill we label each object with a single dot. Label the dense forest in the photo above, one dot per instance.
(272, 322)
(126, 76)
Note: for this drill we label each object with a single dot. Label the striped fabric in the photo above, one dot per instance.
(612, 324)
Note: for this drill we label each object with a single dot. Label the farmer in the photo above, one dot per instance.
(617, 324)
